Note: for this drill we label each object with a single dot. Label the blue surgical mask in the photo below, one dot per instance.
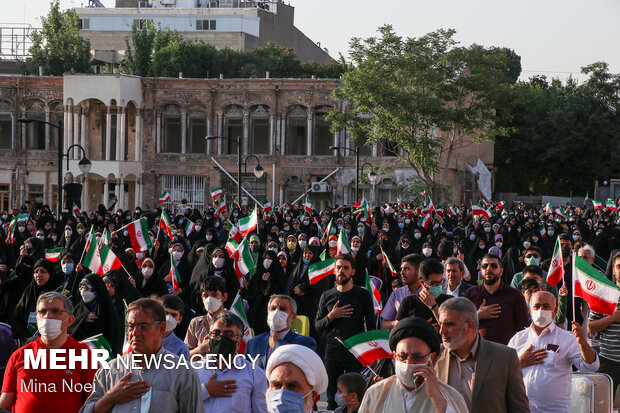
(550, 232)
(532, 261)
(68, 268)
(285, 401)
(401, 225)
(360, 230)
(435, 290)
(472, 237)
(306, 261)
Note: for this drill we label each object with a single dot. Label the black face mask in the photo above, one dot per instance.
(383, 242)
(223, 346)
(565, 252)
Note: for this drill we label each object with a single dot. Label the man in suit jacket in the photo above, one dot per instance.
(487, 374)
(455, 271)
(281, 312)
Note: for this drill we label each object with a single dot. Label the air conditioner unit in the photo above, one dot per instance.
(321, 187)
(167, 2)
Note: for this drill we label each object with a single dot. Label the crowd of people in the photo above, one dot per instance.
(473, 324)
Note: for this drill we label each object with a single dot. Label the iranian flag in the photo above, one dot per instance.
(556, 269)
(453, 210)
(221, 208)
(611, 205)
(76, 210)
(329, 228)
(166, 224)
(320, 270)
(231, 246)
(98, 342)
(215, 192)
(243, 259)
(139, 235)
(500, 205)
(360, 207)
(542, 230)
(374, 292)
(597, 204)
(126, 347)
(106, 236)
(342, 246)
(175, 275)
(428, 208)
(238, 309)
(233, 232)
(601, 294)
(267, 206)
(236, 204)
(100, 258)
(164, 197)
(189, 226)
(53, 254)
(478, 210)
(439, 212)
(548, 209)
(308, 205)
(249, 223)
(425, 222)
(559, 211)
(390, 266)
(369, 346)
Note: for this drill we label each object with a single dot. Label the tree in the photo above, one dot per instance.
(58, 46)
(403, 90)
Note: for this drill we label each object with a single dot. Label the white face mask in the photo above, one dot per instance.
(499, 244)
(41, 237)
(542, 318)
(197, 228)
(333, 243)
(49, 328)
(139, 255)
(277, 320)
(21, 229)
(212, 304)
(87, 296)
(302, 243)
(147, 272)
(171, 323)
(68, 233)
(404, 372)
(209, 237)
(427, 252)
(417, 235)
(80, 231)
(177, 255)
(267, 263)
(217, 262)
(354, 250)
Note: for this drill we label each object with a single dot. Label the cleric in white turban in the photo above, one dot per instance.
(297, 377)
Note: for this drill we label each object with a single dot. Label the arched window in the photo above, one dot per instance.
(35, 131)
(171, 128)
(233, 128)
(260, 130)
(297, 131)
(323, 138)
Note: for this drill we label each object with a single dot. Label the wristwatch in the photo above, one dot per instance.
(432, 307)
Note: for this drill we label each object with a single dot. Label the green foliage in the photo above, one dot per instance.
(403, 90)
(58, 47)
(565, 134)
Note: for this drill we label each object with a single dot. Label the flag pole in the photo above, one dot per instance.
(84, 250)
(573, 284)
(368, 366)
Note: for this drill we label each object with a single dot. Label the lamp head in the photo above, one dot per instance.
(24, 120)
(85, 164)
(372, 177)
(258, 171)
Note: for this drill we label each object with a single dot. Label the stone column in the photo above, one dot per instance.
(120, 133)
(108, 133)
(282, 133)
(24, 135)
(209, 133)
(47, 128)
(106, 192)
(272, 136)
(76, 132)
(220, 128)
(85, 191)
(246, 132)
(183, 131)
(158, 133)
(138, 137)
(309, 139)
(138, 192)
(83, 130)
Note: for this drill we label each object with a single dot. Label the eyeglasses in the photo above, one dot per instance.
(415, 357)
(486, 265)
(217, 333)
(52, 311)
(532, 256)
(142, 326)
(435, 283)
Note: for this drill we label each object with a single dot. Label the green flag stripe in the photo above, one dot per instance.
(371, 335)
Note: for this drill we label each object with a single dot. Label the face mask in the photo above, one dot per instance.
(80, 231)
(487, 229)
(576, 238)
(386, 229)
(435, 290)
(217, 262)
(504, 216)
(235, 214)
(139, 255)
(360, 230)
(354, 250)
(404, 372)
(401, 225)
(223, 346)
(306, 261)
(87, 296)
(147, 272)
(277, 320)
(291, 245)
(272, 249)
(197, 228)
(306, 223)
(332, 231)
(435, 226)
(526, 244)
(481, 246)
(347, 231)
(21, 229)
(565, 252)
(68, 233)
(288, 219)
(49, 328)
(499, 244)
(41, 237)
(472, 237)
(212, 304)
(532, 261)
(535, 239)
(286, 229)
(407, 221)
(267, 263)
(339, 399)
(550, 232)
(427, 252)
(68, 268)
(171, 323)
(254, 248)
(286, 401)
(333, 243)
(281, 240)
(542, 318)
(177, 255)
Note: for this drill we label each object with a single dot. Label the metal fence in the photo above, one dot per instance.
(15, 41)
(191, 188)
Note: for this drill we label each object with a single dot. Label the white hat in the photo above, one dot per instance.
(306, 359)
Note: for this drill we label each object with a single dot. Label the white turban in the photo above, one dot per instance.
(306, 359)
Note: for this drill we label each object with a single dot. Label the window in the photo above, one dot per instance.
(6, 131)
(205, 25)
(140, 23)
(4, 197)
(55, 118)
(172, 134)
(84, 24)
(112, 127)
(260, 135)
(390, 148)
(234, 129)
(298, 135)
(198, 133)
(35, 131)
(191, 188)
(323, 138)
(35, 196)
(257, 187)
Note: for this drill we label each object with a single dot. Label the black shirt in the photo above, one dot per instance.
(412, 306)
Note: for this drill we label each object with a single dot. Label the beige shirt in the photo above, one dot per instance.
(462, 371)
(198, 331)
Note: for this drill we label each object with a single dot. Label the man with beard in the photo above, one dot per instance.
(488, 375)
(502, 310)
(344, 311)
(409, 274)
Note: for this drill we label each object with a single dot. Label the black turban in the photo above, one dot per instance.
(415, 327)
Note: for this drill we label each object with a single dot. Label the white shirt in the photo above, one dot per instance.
(548, 385)
(410, 397)
(454, 293)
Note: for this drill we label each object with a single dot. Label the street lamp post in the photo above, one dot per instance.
(372, 178)
(238, 142)
(258, 169)
(357, 166)
(84, 164)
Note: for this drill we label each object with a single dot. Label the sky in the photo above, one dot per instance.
(554, 38)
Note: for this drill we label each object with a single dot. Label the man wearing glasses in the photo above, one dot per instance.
(37, 389)
(122, 388)
(502, 310)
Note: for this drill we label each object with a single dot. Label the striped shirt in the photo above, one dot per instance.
(609, 338)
